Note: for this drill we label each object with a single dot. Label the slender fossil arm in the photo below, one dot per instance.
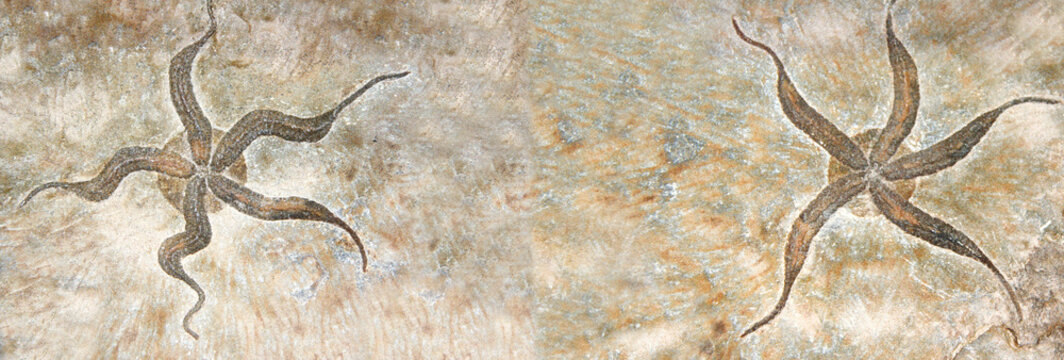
(906, 100)
(834, 196)
(197, 235)
(920, 224)
(952, 149)
(287, 208)
(807, 119)
(197, 127)
(124, 162)
(259, 123)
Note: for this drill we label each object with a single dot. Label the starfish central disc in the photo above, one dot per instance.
(173, 188)
(862, 205)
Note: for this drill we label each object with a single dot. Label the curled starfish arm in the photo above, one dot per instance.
(197, 127)
(125, 161)
(906, 100)
(287, 208)
(952, 149)
(807, 119)
(920, 224)
(807, 225)
(197, 235)
(259, 123)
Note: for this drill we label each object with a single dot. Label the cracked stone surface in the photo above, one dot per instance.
(555, 179)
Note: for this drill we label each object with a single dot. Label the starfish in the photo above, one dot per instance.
(876, 171)
(205, 172)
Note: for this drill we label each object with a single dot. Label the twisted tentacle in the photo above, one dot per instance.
(261, 123)
(288, 208)
(197, 236)
(952, 149)
(906, 99)
(197, 127)
(808, 224)
(806, 118)
(936, 232)
(124, 162)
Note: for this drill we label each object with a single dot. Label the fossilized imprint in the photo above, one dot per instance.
(205, 171)
(876, 172)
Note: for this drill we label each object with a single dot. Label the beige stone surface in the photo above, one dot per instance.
(670, 179)
(432, 170)
(555, 179)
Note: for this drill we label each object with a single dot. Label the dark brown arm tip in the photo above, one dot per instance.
(39, 189)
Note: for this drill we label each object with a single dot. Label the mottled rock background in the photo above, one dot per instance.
(433, 171)
(556, 179)
(669, 179)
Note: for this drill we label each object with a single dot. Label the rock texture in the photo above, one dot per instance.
(670, 179)
(555, 179)
(432, 171)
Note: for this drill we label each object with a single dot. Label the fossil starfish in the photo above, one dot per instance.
(876, 171)
(205, 171)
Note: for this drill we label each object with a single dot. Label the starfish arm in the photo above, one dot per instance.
(260, 123)
(125, 161)
(807, 225)
(197, 236)
(197, 127)
(949, 151)
(906, 100)
(287, 208)
(807, 119)
(920, 224)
